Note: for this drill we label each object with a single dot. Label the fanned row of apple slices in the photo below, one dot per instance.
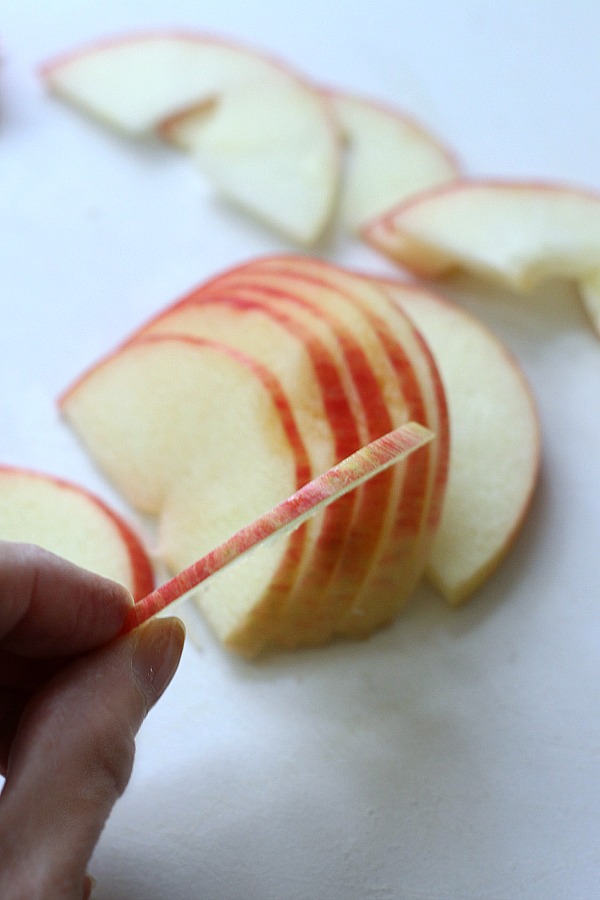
(263, 377)
(289, 152)
(68, 520)
(518, 233)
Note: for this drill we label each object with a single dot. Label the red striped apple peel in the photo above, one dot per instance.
(342, 478)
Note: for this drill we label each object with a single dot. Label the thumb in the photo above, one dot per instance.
(72, 756)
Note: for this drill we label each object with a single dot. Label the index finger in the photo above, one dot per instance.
(50, 607)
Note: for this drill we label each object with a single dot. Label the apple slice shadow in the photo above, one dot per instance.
(549, 310)
(288, 515)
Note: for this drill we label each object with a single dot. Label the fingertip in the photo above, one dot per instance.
(156, 655)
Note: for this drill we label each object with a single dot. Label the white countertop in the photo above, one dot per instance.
(456, 754)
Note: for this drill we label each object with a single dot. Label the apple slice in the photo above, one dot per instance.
(68, 520)
(183, 422)
(262, 134)
(495, 448)
(134, 82)
(388, 157)
(328, 290)
(517, 233)
(271, 148)
(346, 476)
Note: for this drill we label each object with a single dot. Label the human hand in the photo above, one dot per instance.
(73, 694)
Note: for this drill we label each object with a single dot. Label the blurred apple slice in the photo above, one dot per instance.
(495, 443)
(261, 133)
(388, 157)
(327, 488)
(269, 146)
(516, 233)
(68, 520)
(197, 426)
(134, 82)
(589, 289)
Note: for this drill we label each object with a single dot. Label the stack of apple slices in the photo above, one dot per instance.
(518, 233)
(269, 139)
(262, 378)
(68, 520)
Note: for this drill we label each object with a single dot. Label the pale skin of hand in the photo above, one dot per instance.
(73, 694)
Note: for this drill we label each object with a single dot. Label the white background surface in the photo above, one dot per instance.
(455, 755)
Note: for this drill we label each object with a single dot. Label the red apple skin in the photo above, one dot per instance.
(142, 572)
(434, 471)
(283, 270)
(382, 232)
(312, 620)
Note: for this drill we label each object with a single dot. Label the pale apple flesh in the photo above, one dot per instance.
(261, 134)
(517, 233)
(73, 523)
(388, 157)
(346, 476)
(173, 423)
(271, 148)
(311, 380)
(495, 445)
(589, 289)
(134, 82)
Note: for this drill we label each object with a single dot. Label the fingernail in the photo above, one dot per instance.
(157, 655)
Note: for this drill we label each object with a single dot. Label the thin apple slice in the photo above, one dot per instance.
(288, 515)
(314, 387)
(388, 157)
(298, 279)
(271, 148)
(68, 520)
(261, 133)
(495, 448)
(134, 82)
(516, 233)
(183, 422)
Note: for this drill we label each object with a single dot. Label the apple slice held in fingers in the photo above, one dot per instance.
(164, 415)
(69, 521)
(495, 443)
(388, 157)
(516, 233)
(327, 488)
